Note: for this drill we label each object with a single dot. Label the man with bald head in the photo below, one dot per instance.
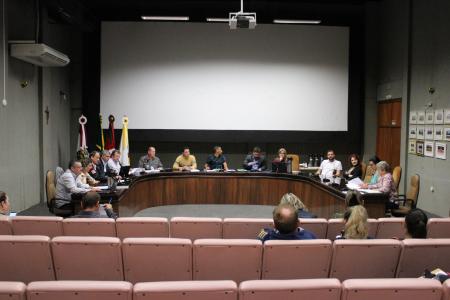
(286, 224)
(150, 161)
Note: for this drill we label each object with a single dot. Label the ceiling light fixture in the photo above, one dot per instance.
(283, 21)
(164, 18)
(217, 20)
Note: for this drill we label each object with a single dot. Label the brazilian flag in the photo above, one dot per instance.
(100, 138)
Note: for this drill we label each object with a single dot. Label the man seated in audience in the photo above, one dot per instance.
(113, 166)
(90, 205)
(185, 161)
(5, 206)
(416, 224)
(256, 161)
(150, 161)
(330, 167)
(286, 226)
(356, 226)
(67, 185)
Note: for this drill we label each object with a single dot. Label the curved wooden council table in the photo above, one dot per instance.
(232, 188)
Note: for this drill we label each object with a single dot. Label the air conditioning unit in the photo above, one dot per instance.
(39, 54)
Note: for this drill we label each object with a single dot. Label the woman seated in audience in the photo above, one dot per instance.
(355, 171)
(372, 173)
(85, 177)
(295, 201)
(356, 226)
(416, 224)
(385, 184)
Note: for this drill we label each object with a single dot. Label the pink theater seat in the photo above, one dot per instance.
(391, 228)
(446, 290)
(323, 289)
(10, 290)
(89, 227)
(80, 290)
(49, 226)
(25, 258)
(186, 290)
(316, 226)
(244, 228)
(420, 254)
(296, 259)
(5, 226)
(219, 259)
(87, 258)
(438, 228)
(391, 289)
(335, 227)
(196, 228)
(157, 259)
(142, 227)
(365, 258)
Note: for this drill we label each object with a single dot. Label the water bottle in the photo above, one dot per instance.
(310, 164)
(316, 161)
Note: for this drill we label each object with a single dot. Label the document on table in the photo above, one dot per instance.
(355, 183)
(369, 191)
(103, 187)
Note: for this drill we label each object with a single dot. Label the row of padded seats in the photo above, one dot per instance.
(322, 289)
(37, 258)
(199, 228)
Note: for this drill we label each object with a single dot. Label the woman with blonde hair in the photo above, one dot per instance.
(356, 226)
(295, 201)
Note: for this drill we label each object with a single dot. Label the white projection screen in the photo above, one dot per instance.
(202, 76)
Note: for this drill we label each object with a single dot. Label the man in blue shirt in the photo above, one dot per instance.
(286, 226)
(216, 161)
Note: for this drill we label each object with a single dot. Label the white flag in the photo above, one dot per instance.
(124, 146)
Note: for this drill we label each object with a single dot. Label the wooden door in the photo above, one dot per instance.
(389, 131)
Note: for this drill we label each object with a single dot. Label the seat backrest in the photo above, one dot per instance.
(157, 259)
(187, 290)
(420, 254)
(50, 187)
(315, 225)
(413, 190)
(438, 228)
(12, 290)
(89, 227)
(397, 176)
(391, 228)
(295, 161)
(365, 258)
(76, 290)
(25, 258)
(391, 289)
(196, 228)
(227, 259)
(323, 289)
(446, 290)
(28, 225)
(5, 226)
(142, 227)
(363, 170)
(373, 227)
(87, 258)
(296, 259)
(244, 228)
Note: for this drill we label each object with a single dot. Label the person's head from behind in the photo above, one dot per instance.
(354, 160)
(217, 150)
(256, 152)
(331, 155)
(4, 203)
(285, 218)
(76, 167)
(115, 155)
(105, 155)
(416, 224)
(356, 226)
(151, 152)
(186, 152)
(383, 168)
(293, 200)
(373, 162)
(90, 201)
(94, 156)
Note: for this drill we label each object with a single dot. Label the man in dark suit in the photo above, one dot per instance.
(90, 204)
(256, 161)
(100, 164)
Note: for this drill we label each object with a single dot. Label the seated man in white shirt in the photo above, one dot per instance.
(67, 185)
(330, 168)
(113, 166)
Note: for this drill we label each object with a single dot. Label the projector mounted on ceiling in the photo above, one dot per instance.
(242, 19)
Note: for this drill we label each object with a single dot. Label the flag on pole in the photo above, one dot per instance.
(82, 133)
(101, 139)
(124, 146)
(111, 139)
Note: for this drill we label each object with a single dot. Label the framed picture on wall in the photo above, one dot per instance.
(413, 117)
(429, 117)
(420, 132)
(438, 133)
(439, 116)
(447, 116)
(412, 146)
(441, 150)
(429, 149)
(447, 133)
(420, 148)
(412, 132)
(421, 117)
(429, 132)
